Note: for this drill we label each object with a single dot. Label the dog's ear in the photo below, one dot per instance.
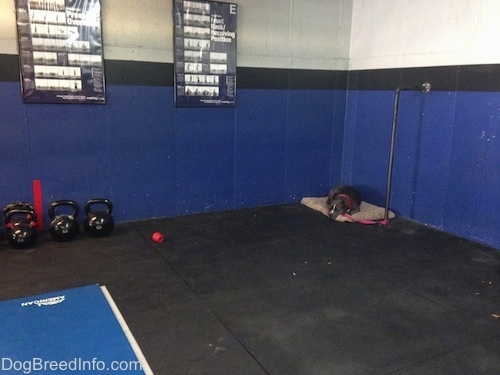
(354, 210)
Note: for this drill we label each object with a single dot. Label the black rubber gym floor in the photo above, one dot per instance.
(283, 290)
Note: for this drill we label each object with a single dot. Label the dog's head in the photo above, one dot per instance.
(337, 206)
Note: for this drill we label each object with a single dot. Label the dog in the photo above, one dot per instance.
(342, 200)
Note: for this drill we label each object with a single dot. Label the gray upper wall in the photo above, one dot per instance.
(292, 34)
(310, 34)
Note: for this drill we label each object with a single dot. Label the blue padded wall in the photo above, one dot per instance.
(280, 143)
(205, 159)
(142, 152)
(473, 189)
(447, 159)
(15, 163)
(366, 142)
(152, 159)
(308, 143)
(260, 148)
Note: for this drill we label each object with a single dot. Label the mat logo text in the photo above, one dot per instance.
(45, 302)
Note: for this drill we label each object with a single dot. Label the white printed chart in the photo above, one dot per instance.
(205, 53)
(60, 51)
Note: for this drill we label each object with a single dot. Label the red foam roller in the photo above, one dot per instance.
(38, 202)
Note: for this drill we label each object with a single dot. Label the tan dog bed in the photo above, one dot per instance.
(367, 211)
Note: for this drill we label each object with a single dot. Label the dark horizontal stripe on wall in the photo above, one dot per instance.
(138, 73)
(117, 72)
(442, 78)
(162, 74)
(9, 68)
(281, 79)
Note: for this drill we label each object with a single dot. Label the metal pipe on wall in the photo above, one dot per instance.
(425, 88)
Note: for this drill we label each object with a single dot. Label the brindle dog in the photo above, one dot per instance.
(343, 200)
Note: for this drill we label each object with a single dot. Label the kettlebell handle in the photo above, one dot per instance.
(64, 202)
(30, 215)
(18, 205)
(104, 201)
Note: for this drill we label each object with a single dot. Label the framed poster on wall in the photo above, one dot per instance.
(205, 53)
(60, 51)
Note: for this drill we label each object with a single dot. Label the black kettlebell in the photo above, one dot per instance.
(63, 227)
(98, 223)
(21, 227)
